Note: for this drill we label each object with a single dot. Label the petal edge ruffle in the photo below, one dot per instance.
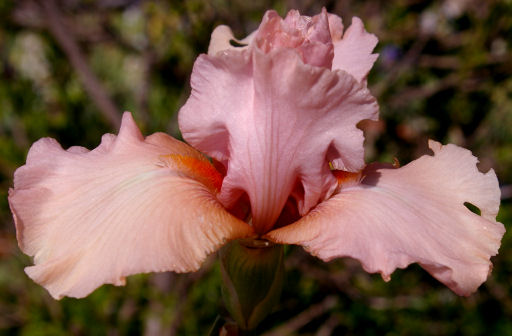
(353, 53)
(412, 214)
(95, 217)
(275, 121)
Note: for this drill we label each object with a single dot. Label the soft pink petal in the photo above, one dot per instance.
(128, 206)
(310, 37)
(335, 27)
(412, 214)
(278, 122)
(221, 40)
(353, 53)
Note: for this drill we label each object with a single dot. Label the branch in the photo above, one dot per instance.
(183, 292)
(91, 83)
(304, 318)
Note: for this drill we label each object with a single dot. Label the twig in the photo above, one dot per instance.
(328, 327)
(183, 290)
(339, 280)
(142, 95)
(401, 67)
(304, 318)
(91, 83)
(416, 93)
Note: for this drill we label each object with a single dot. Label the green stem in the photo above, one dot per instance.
(252, 273)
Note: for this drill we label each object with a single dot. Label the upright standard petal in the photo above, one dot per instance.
(275, 123)
(416, 213)
(132, 205)
(222, 39)
(353, 53)
(310, 37)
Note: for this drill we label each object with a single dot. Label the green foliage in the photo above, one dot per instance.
(444, 73)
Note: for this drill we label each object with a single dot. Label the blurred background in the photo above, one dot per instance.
(69, 68)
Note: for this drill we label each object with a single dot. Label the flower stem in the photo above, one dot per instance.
(252, 273)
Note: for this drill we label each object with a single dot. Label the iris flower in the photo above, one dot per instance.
(277, 115)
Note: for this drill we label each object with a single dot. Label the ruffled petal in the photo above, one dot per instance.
(335, 27)
(353, 53)
(416, 213)
(222, 38)
(310, 37)
(275, 122)
(132, 205)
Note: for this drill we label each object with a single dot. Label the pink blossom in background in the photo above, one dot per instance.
(278, 116)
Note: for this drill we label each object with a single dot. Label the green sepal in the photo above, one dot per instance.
(252, 273)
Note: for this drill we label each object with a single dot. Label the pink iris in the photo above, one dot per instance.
(278, 116)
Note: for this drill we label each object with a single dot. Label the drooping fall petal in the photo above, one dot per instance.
(353, 53)
(416, 213)
(132, 205)
(278, 122)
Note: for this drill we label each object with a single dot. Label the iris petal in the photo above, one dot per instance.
(353, 53)
(126, 207)
(416, 213)
(275, 122)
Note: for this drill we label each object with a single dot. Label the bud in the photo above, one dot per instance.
(252, 273)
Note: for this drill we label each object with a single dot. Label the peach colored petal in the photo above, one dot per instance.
(221, 40)
(335, 27)
(310, 37)
(353, 53)
(132, 205)
(416, 213)
(275, 122)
